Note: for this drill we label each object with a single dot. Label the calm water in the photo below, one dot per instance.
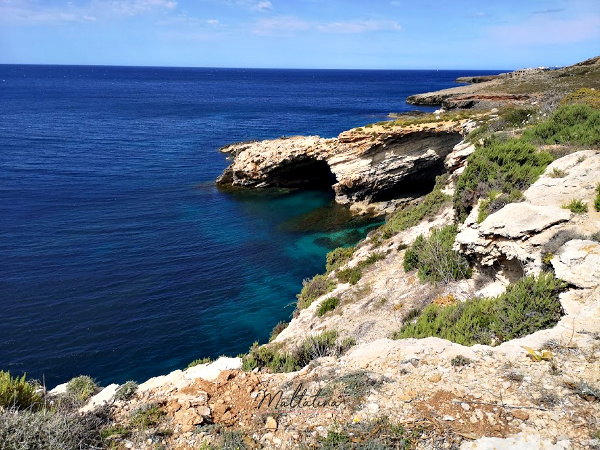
(119, 258)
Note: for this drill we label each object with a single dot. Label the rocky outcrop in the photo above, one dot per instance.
(519, 234)
(578, 263)
(519, 88)
(371, 164)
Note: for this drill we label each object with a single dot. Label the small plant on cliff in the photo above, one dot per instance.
(597, 199)
(146, 416)
(575, 125)
(314, 288)
(197, 362)
(353, 275)
(271, 357)
(17, 392)
(529, 305)
(82, 387)
(278, 329)
(434, 258)
(412, 215)
(328, 305)
(338, 257)
(126, 391)
(500, 165)
(576, 206)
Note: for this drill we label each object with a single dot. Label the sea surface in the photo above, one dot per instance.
(119, 257)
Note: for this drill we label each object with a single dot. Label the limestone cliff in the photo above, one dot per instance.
(373, 164)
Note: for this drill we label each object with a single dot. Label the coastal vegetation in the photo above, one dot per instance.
(529, 305)
(328, 305)
(411, 215)
(597, 199)
(576, 206)
(275, 360)
(17, 392)
(434, 258)
(314, 288)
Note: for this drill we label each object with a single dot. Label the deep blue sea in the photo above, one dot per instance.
(119, 258)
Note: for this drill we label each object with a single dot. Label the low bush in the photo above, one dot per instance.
(328, 305)
(460, 360)
(313, 288)
(146, 416)
(412, 215)
(350, 275)
(126, 391)
(597, 199)
(197, 362)
(585, 96)
(528, 305)
(17, 392)
(499, 165)
(338, 257)
(434, 258)
(517, 117)
(277, 330)
(270, 357)
(82, 387)
(317, 346)
(353, 275)
(50, 431)
(575, 124)
(496, 201)
(576, 206)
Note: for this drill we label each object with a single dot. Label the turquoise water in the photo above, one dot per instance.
(121, 259)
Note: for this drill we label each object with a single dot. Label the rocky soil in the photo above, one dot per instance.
(520, 88)
(443, 394)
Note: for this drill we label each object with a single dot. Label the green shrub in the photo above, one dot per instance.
(17, 392)
(576, 206)
(460, 360)
(517, 117)
(338, 257)
(233, 440)
(353, 275)
(126, 391)
(317, 346)
(529, 305)
(350, 275)
(82, 387)
(270, 357)
(313, 289)
(575, 124)
(47, 430)
(277, 329)
(328, 305)
(505, 166)
(146, 416)
(434, 258)
(412, 215)
(196, 362)
(597, 200)
(557, 173)
(585, 96)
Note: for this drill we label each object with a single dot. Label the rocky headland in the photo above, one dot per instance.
(470, 320)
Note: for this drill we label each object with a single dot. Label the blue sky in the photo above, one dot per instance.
(374, 34)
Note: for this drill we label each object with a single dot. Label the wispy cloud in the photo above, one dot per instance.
(279, 26)
(549, 11)
(543, 30)
(359, 26)
(255, 5)
(30, 12)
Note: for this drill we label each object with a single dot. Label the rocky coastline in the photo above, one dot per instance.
(346, 372)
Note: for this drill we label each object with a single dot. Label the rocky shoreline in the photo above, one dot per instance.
(345, 373)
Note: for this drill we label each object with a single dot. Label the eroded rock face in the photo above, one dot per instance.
(518, 234)
(578, 263)
(361, 165)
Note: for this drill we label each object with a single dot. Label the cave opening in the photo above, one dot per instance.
(307, 174)
(415, 185)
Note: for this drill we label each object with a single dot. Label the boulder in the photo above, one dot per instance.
(578, 263)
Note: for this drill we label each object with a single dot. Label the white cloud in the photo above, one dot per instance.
(279, 26)
(543, 30)
(31, 12)
(359, 26)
